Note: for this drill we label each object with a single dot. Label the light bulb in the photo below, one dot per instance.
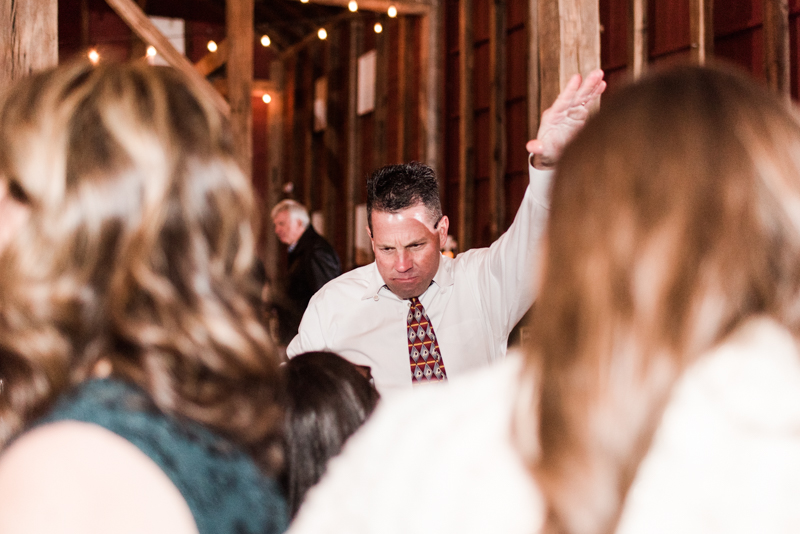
(151, 51)
(392, 12)
(212, 46)
(378, 27)
(94, 56)
(266, 98)
(322, 34)
(265, 40)
(352, 6)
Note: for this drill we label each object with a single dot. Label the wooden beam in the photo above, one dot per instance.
(569, 43)
(239, 22)
(777, 65)
(466, 134)
(701, 24)
(353, 167)
(274, 167)
(431, 98)
(405, 52)
(135, 18)
(28, 36)
(381, 112)
(497, 116)
(638, 51)
(534, 111)
(257, 89)
(213, 60)
(404, 7)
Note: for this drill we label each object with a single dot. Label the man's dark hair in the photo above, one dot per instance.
(396, 187)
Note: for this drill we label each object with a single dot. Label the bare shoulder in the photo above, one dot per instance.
(78, 477)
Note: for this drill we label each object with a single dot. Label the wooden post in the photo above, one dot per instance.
(776, 46)
(701, 25)
(307, 124)
(497, 117)
(353, 170)
(638, 51)
(239, 21)
(381, 98)
(404, 66)
(137, 21)
(466, 156)
(29, 31)
(432, 88)
(534, 111)
(274, 167)
(569, 43)
(333, 160)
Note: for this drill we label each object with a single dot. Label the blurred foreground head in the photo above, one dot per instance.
(135, 250)
(675, 217)
(328, 399)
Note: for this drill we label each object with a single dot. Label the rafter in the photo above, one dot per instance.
(404, 7)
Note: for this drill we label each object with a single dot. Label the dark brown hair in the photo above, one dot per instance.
(675, 217)
(137, 252)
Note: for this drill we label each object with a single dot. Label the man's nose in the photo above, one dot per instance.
(403, 262)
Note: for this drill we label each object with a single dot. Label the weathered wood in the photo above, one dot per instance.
(534, 111)
(431, 88)
(466, 150)
(569, 43)
(135, 18)
(28, 36)
(213, 60)
(497, 116)
(239, 22)
(274, 167)
(405, 52)
(777, 65)
(404, 7)
(352, 170)
(701, 24)
(638, 52)
(381, 99)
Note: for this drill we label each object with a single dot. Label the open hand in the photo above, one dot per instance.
(561, 121)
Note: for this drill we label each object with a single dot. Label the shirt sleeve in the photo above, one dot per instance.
(310, 335)
(506, 274)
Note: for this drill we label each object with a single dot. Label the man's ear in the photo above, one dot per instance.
(442, 229)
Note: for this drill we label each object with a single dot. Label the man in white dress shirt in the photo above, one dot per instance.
(473, 300)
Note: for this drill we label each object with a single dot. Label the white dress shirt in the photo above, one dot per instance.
(725, 457)
(473, 303)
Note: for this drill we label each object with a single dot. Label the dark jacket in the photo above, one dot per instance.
(312, 263)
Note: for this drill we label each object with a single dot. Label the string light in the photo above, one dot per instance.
(352, 6)
(94, 56)
(212, 46)
(304, 1)
(266, 98)
(265, 40)
(322, 34)
(378, 27)
(392, 12)
(151, 51)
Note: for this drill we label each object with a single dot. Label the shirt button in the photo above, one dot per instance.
(376, 298)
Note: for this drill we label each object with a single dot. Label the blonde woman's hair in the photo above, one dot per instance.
(675, 217)
(138, 251)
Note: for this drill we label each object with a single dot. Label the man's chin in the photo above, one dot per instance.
(406, 291)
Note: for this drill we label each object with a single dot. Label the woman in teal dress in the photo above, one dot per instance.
(138, 389)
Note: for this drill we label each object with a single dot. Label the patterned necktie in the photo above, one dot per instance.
(426, 361)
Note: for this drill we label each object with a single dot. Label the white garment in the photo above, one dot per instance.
(725, 458)
(474, 302)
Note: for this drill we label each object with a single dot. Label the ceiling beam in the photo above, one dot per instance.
(404, 7)
(137, 21)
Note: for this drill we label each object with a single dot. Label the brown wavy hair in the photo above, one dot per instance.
(675, 217)
(138, 251)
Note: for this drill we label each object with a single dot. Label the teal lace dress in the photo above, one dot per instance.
(225, 491)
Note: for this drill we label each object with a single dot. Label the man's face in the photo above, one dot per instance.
(406, 247)
(287, 229)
